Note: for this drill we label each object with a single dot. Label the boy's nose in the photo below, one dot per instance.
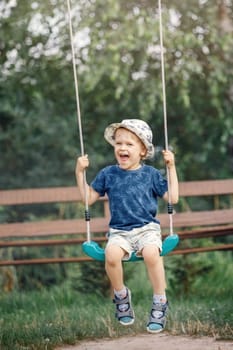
(123, 147)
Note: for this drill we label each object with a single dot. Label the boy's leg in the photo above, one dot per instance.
(156, 273)
(113, 266)
(122, 296)
(155, 268)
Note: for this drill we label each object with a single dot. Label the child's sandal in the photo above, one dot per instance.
(125, 317)
(157, 320)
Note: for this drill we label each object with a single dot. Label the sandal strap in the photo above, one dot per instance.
(163, 308)
(127, 313)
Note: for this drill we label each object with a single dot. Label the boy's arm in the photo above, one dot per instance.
(92, 195)
(173, 180)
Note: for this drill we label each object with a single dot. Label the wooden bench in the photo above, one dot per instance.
(188, 223)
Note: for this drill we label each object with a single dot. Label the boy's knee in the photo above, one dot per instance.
(113, 254)
(151, 254)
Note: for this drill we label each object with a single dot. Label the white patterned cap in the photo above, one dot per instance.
(140, 128)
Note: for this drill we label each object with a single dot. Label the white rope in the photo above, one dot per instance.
(164, 107)
(87, 216)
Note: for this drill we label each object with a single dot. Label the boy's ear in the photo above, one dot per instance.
(144, 150)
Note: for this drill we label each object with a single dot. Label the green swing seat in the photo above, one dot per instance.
(92, 248)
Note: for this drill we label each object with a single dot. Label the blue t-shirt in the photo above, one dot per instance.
(132, 194)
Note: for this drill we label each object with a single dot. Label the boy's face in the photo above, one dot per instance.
(128, 149)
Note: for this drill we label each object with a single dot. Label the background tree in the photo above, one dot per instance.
(119, 71)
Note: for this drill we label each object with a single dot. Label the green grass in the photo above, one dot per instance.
(46, 319)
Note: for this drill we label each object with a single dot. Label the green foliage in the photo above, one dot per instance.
(198, 74)
(93, 279)
(119, 75)
(187, 275)
(31, 277)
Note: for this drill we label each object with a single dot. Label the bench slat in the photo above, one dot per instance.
(55, 227)
(202, 218)
(100, 225)
(71, 194)
(206, 188)
(39, 195)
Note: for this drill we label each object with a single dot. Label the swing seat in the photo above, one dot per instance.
(169, 243)
(93, 249)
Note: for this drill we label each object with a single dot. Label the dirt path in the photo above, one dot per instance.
(151, 342)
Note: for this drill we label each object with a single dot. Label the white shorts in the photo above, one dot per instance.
(136, 239)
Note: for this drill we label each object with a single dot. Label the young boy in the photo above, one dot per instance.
(133, 188)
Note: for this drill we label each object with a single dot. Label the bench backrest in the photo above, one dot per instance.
(191, 224)
(70, 194)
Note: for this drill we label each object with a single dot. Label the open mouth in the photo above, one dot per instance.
(124, 157)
